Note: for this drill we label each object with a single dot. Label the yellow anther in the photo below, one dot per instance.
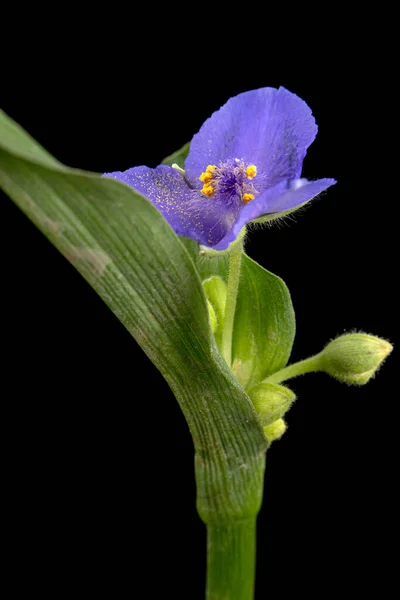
(207, 190)
(247, 197)
(251, 172)
(205, 177)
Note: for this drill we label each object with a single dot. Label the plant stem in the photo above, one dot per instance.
(235, 259)
(308, 365)
(231, 551)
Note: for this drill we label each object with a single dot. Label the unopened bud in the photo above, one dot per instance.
(215, 289)
(354, 358)
(276, 430)
(213, 316)
(271, 401)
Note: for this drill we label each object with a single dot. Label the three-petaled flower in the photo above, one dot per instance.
(244, 163)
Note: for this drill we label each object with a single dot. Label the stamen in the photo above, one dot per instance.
(206, 178)
(229, 180)
(208, 174)
(207, 190)
(178, 168)
(251, 172)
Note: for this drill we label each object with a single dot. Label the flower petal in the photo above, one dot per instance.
(275, 200)
(267, 127)
(189, 212)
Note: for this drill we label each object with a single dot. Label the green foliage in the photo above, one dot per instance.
(126, 250)
(178, 157)
(264, 325)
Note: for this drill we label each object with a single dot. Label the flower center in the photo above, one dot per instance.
(231, 179)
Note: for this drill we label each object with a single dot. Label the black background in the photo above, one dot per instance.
(98, 471)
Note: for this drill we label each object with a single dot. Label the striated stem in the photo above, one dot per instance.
(235, 259)
(231, 552)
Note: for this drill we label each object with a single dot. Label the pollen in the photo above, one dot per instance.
(208, 174)
(247, 197)
(207, 190)
(205, 177)
(251, 172)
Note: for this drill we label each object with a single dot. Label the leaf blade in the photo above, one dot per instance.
(19, 141)
(264, 326)
(126, 250)
(178, 157)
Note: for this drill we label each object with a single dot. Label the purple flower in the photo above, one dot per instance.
(244, 163)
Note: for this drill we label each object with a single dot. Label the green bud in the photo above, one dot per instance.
(276, 430)
(215, 290)
(271, 401)
(354, 358)
(213, 316)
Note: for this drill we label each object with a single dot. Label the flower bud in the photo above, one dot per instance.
(276, 430)
(213, 316)
(354, 358)
(271, 401)
(215, 290)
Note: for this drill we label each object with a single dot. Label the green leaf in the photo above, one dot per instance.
(126, 250)
(17, 140)
(178, 157)
(264, 326)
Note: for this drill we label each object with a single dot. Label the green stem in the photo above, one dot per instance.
(235, 259)
(231, 551)
(309, 365)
